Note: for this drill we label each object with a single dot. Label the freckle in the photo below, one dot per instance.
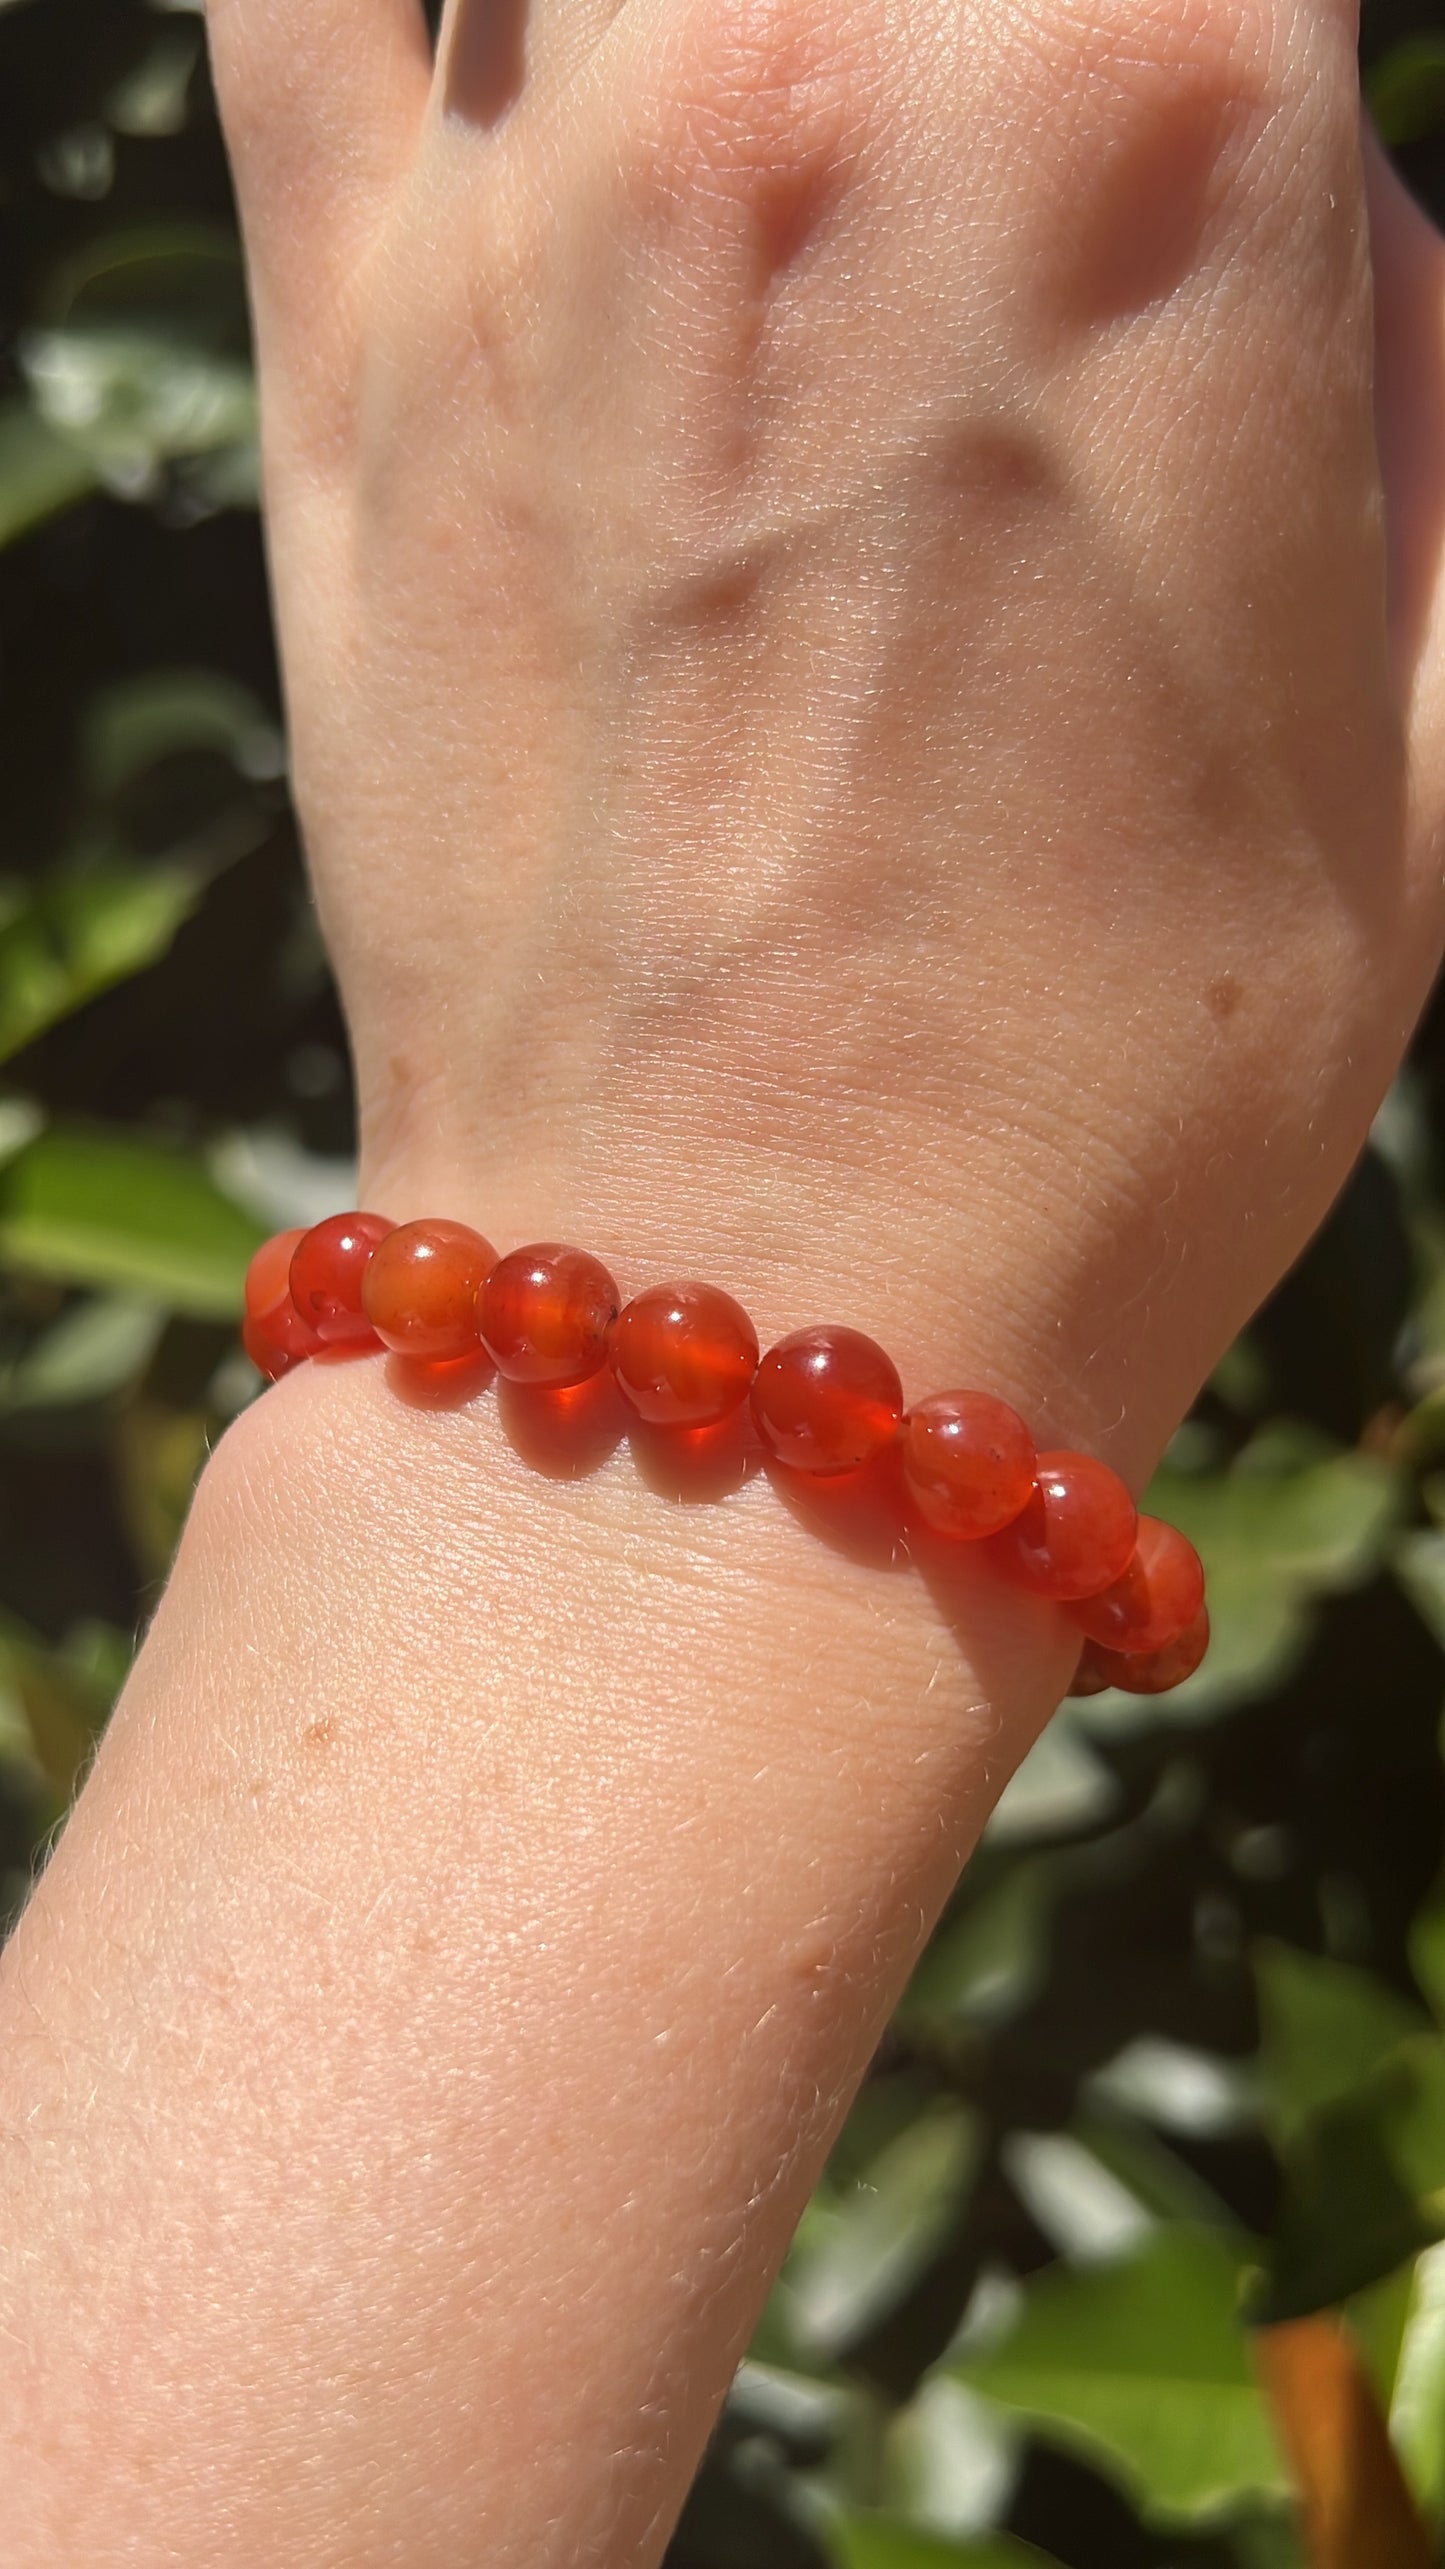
(1222, 997)
(258, 1787)
(321, 1731)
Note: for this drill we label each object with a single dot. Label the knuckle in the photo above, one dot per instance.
(1157, 107)
(752, 90)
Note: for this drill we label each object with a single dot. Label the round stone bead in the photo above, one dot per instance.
(684, 1354)
(1157, 1598)
(268, 1277)
(546, 1314)
(827, 1399)
(269, 1354)
(273, 1332)
(327, 1274)
(1150, 1672)
(1077, 1532)
(423, 1290)
(1086, 1679)
(969, 1461)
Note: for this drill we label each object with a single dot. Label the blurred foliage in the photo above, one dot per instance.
(1173, 2069)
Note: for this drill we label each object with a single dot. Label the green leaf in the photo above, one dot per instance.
(63, 1695)
(1417, 2402)
(1325, 2027)
(100, 1208)
(1427, 1948)
(131, 400)
(1060, 1789)
(949, 2460)
(861, 2244)
(1276, 1531)
(877, 2542)
(91, 1351)
(1418, 1559)
(1176, 2086)
(130, 727)
(78, 933)
(41, 471)
(986, 1961)
(146, 358)
(1364, 2185)
(1405, 90)
(1087, 2211)
(152, 98)
(1144, 2368)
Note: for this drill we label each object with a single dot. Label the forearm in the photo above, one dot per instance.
(432, 2020)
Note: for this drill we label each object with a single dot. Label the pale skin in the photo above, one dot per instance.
(831, 562)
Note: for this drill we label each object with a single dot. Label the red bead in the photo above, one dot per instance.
(1077, 1533)
(328, 1272)
(423, 1290)
(1157, 1598)
(1148, 1672)
(684, 1354)
(969, 1461)
(269, 1355)
(274, 1334)
(268, 1277)
(546, 1312)
(827, 1399)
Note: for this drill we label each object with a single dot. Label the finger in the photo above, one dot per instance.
(321, 101)
(1409, 265)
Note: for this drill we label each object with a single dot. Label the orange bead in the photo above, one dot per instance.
(1076, 1535)
(1157, 1598)
(969, 1461)
(268, 1277)
(269, 1354)
(827, 1399)
(422, 1290)
(328, 1271)
(546, 1314)
(274, 1334)
(1147, 1672)
(684, 1354)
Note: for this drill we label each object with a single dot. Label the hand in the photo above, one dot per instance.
(832, 584)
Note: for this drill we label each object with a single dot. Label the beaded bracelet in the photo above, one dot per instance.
(823, 1400)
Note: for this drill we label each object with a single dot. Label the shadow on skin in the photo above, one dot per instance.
(439, 1386)
(692, 1465)
(567, 1433)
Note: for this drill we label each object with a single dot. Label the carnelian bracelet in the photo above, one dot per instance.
(824, 1400)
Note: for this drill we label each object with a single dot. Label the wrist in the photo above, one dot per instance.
(970, 1262)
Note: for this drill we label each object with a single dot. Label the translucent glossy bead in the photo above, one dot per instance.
(969, 1461)
(274, 1334)
(1148, 1672)
(1077, 1532)
(684, 1354)
(1157, 1598)
(827, 1399)
(269, 1354)
(546, 1313)
(423, 1290)
(268, 1277)
(327, 1274)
